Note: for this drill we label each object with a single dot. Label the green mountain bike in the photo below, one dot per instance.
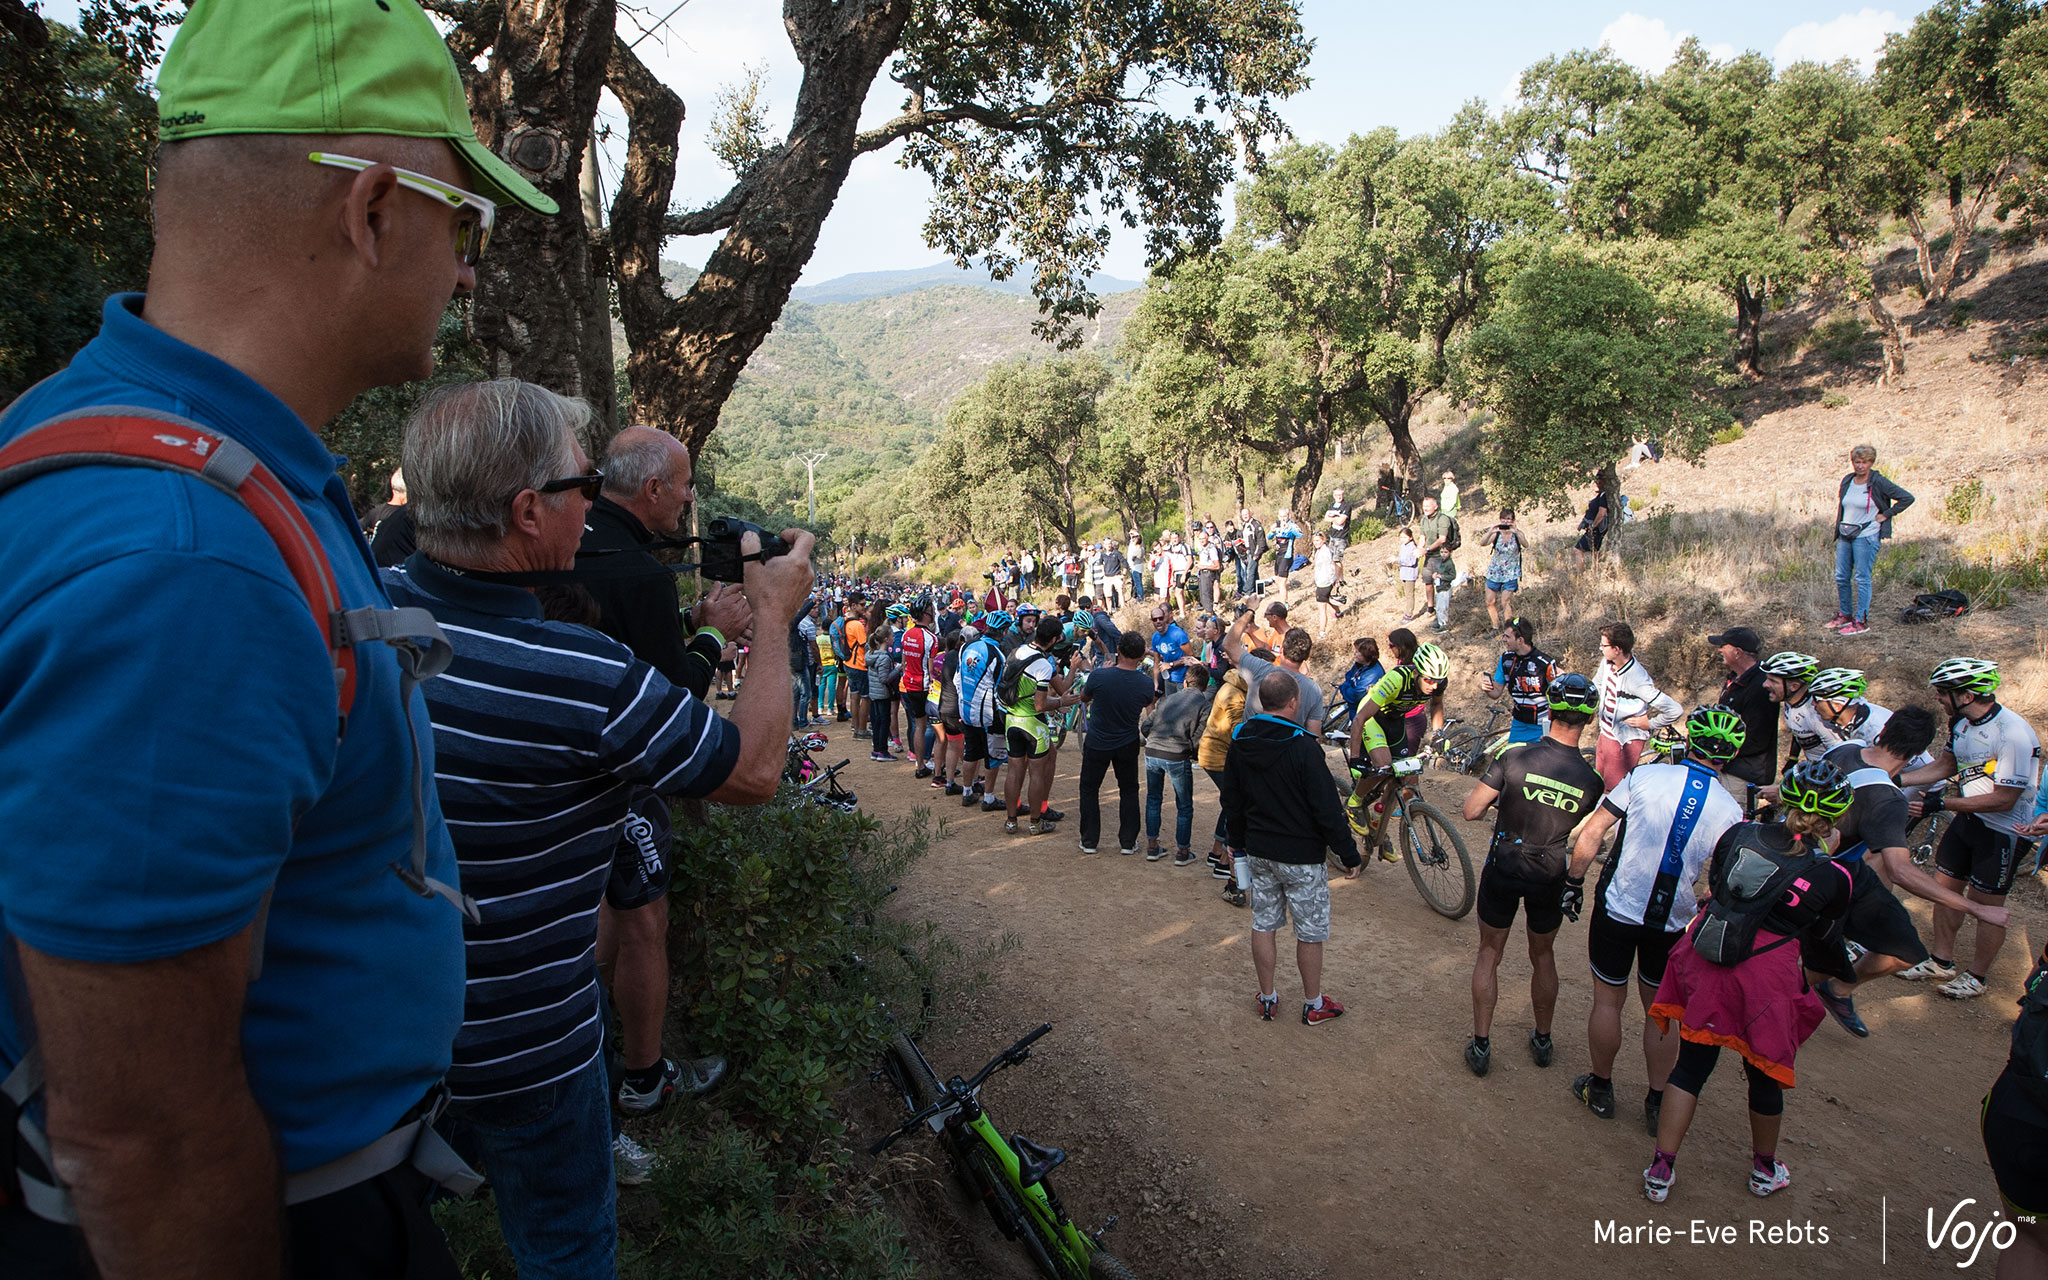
(1008, 1176)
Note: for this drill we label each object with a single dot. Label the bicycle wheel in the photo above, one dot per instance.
(1437, 860)
(1104, 1265)
(1458, 748)
(912, 1074)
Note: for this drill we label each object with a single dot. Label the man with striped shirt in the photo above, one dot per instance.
(543, 731)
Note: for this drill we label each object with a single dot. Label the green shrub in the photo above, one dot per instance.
(1729, 434)
(1367, 528)
(1961, 315)
(1844, 338)
(1968, 501)
(1835, 400)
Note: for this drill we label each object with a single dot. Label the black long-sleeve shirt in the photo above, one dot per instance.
(636, 599)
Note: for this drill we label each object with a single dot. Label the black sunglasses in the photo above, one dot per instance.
(590, 485)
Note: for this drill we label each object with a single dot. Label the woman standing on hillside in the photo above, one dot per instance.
(1865, 503)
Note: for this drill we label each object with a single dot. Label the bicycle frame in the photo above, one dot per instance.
(1038, 1201)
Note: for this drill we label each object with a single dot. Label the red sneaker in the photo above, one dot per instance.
(1269, 1005)
(1838, 621)
(1323, 1013)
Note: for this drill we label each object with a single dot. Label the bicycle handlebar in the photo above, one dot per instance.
(957, 1090)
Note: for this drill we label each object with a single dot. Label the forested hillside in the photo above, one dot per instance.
(867, 382)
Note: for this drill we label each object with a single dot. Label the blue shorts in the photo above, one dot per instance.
(1523, 731)
(1512, 584)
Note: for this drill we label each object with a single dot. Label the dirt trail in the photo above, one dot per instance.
(1235, 1147)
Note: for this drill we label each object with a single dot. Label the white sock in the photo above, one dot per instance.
(1316, 1003)
(1270, 996)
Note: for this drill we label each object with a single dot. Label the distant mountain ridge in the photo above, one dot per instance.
(881, 284)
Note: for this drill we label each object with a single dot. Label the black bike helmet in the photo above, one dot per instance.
(1573, 692)
(1816, 787)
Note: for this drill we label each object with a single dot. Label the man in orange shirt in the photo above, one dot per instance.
(1271, 635)
(857, 664)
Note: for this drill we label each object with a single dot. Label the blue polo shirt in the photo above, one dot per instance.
(1168, 645)
(168, 751)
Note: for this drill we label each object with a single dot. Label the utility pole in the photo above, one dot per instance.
(811, 462)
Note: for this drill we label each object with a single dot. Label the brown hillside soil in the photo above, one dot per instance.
(1234, 1147)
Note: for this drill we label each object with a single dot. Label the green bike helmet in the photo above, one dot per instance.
(1816, 787)
(1838, 684)
(1715, 733)
(896, 613)
(1967, 675)
(1431, 663)
(1791, 666)
(1573, 692)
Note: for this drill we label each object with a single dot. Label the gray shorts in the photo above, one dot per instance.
(1281, 889)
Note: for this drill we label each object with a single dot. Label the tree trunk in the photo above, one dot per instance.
(1749, 320)
(1237, 475)
(1923, 254)
(686, 353)
(1310, 473)
(541, 310)
(1184, 479)
(1406, 457)
(1962, 221)
(1610, 484)
(1894, 345)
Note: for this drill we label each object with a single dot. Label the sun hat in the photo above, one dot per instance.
(316, 67)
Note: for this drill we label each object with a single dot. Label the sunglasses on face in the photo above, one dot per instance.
(470, 237)
(589, 485)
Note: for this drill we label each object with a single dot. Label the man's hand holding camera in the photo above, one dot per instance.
(725, 610)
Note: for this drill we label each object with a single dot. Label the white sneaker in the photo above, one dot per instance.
(1763, 1184)
(1966, 986)
(1927, 970)
(632, 1163)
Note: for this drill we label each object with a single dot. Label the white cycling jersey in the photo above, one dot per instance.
(1648, 797)
(1998, 751)
(1812, 736)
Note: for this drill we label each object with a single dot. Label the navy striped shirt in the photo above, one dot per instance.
(542, 731)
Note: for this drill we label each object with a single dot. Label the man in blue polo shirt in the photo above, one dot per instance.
(168, 706)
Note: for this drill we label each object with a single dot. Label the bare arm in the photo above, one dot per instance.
(1590, 835)
(1479, 802)
(169, 1160)
(776, 590)
(1233, 639)
(1900, 871)
(1943, 766)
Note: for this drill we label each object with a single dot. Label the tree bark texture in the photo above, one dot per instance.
(542, 310)
(1894, 345)
(688, 352)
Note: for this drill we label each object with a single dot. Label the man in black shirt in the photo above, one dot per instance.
(1116, 697)
(1883, 939)
(1542, 790)
(647, 485)
(1744, 694)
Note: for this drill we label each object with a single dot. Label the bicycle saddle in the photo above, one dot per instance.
(1034, 1161)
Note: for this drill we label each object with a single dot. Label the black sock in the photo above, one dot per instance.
(647, 1078)
(1541, 1037)
(1603, 1081)
(1654, 1095)
(1483, 1043)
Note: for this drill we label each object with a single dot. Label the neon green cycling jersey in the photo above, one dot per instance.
(1395, 694)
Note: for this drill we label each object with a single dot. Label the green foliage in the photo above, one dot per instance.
(1367, 528)
(74, 180)
(729, 1204)
(1843, 338)
(1729, 434)
(1967, 501)
(1834, 400)
(1018, 451)
(1962, 315)
(1580, 360)
(1074, 118)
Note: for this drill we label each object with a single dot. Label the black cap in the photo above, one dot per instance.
(1741, 637)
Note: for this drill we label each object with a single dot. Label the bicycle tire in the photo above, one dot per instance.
(912, 1072)
(1104, 1265)
(1921, 843)
(1446, 885)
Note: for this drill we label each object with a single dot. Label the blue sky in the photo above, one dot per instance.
(1406, 65)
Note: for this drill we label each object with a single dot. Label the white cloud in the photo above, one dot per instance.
(1649, 45)
(1858, 36)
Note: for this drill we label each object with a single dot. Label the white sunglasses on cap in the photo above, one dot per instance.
(470, 237)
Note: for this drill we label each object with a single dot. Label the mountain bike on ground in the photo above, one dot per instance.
(1462, 748)
(1387, 805)
(1007, 1175)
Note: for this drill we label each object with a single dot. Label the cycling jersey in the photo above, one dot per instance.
(1527, 678)
(981, 666)
(1998, 751)
(1812, 736)
(1864, 722)
(919, 646)
(1545, 789)
(1036, 672)
(1877, 815)
(856, 634)
(1648, 797)
(1396, 694)
(826, 658)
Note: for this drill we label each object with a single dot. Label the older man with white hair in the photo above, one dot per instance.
(544, 732)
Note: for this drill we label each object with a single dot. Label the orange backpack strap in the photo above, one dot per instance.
(122, 436)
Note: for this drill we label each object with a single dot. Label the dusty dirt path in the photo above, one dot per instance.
(1235, 1147)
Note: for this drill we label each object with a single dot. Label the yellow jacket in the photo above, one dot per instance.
(1225, 713)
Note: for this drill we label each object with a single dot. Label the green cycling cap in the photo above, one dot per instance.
(324, 67)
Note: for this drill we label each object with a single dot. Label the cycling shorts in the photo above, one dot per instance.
(1374, 736)
(1615, 947)
(1500, 894)
(2016, 1144)
(1877, 921)
(1028, 737)
(977, 743)
(1973, 850)
(640, 872)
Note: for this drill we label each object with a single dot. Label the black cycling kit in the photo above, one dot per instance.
(1546, 788)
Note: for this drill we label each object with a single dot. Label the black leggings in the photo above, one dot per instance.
(1696, 1062)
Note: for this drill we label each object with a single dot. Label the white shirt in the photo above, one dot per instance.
(1326, 568)
(1811, 733)
(1647, 798)
(1626, 692)
(1998, 751)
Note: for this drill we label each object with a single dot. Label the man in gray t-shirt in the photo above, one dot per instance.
(1295, 648)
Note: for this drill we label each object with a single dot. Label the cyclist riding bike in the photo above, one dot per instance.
(1378, 733)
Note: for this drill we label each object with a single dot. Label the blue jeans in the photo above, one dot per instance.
(1246, 573)
(1137, 584)
(1854, 559)
(1182, 775)
(548, 1154)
